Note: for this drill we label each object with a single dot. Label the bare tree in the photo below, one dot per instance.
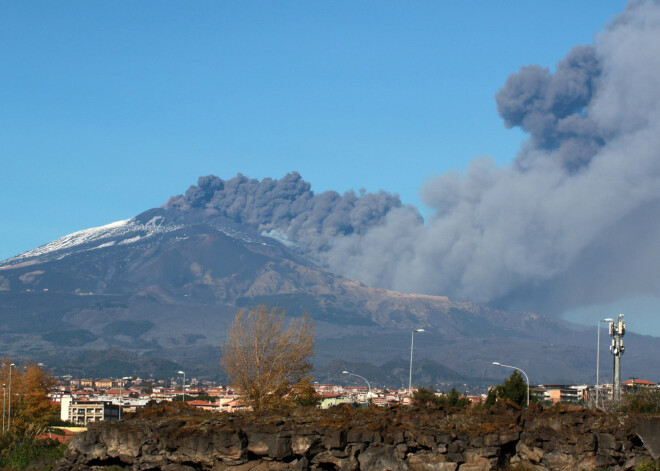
(264, 360)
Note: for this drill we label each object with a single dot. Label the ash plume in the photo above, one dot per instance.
(288, 210)
(573, 220)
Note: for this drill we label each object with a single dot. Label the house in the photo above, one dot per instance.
(635, 384)
(233, 405)
(381, 401)
(205, 405)
(329, 400)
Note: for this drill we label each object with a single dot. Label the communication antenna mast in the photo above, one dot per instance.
(617, 330)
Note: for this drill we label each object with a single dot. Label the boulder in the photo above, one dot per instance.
(382, 458)
(425, 461)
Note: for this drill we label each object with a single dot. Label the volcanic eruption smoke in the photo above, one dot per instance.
(572, 221)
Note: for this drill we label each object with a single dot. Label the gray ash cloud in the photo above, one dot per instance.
(289, 208)
(551, 108)
(572, 221)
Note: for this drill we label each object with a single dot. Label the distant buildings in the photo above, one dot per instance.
(88, 400)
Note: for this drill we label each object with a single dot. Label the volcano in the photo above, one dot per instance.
(165, 286)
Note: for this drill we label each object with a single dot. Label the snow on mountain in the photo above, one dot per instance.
(123, 232)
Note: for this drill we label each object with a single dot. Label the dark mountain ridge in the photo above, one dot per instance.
(167, 283)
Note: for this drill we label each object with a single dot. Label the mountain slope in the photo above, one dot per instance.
(167, 283)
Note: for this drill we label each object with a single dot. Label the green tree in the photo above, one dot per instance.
(492, 397)
(426, 397)
(513, 388)
(454, 399)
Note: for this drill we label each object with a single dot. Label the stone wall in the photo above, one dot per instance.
(176, 438)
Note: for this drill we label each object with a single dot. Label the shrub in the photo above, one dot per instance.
(19, 448)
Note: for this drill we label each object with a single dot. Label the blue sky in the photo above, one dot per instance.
(109, 108)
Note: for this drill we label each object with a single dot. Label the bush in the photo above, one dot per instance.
(20, 448)
(642, 401)
(649, 466)
(427, 397)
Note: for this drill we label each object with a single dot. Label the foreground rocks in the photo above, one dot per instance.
(171, 438)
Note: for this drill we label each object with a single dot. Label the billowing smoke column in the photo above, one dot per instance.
(551, 108)
(574, 220)
(288, 210)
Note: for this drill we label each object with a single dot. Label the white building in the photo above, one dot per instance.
(83, 412)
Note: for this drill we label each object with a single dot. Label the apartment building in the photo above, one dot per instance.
(84, 412)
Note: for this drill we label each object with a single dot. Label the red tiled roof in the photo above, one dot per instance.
(201, 403)
(66, 438)
(639, 381)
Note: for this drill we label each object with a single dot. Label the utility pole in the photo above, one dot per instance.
(412, 340)
(617, 330)
(9, 405)
(598, 359)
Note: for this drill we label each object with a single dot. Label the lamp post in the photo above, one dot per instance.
(121, 398)
(4, 398)
(412, 340)
(183, 386)
(598, 358)
(121, 386)
(365, 379)
(9, 405)
(516, 368)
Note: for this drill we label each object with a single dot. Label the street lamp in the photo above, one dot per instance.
(412, 339)
(598, 357)
(183, 386)
(365, 379)
(121, 398)
(9, 405)
(4, 398)
(516, 368)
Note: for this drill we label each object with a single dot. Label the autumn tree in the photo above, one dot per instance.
(267, 363)
(30, 385)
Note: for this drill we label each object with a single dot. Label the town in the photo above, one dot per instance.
(82, 401)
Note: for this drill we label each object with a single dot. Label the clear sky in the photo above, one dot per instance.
(108, 108)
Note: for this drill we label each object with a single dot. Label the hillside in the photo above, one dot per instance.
(165, 286)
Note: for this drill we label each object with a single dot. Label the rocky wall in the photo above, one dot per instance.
(177, 439)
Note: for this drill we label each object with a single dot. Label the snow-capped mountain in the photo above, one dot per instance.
(124, 232)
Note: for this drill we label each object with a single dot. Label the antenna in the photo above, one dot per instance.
(617, 330)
